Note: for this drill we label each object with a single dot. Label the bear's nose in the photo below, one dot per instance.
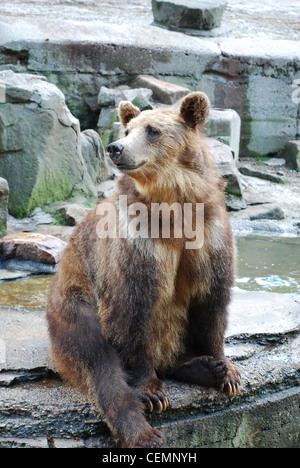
(115, 150)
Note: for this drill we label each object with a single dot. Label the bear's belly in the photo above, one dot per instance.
(168, 328)
(169, 320)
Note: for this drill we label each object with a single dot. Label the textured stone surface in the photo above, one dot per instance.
(48, 413)
(248, 71)
(73, 213)
(164, 92)
(4, 193)
(224, 159)
(93, 154)
(265, 211)
(34, 247)
(225, 125)
(40, 151)
(194, 14)
(260, 174)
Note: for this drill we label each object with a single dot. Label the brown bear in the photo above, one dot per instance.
(125, 311)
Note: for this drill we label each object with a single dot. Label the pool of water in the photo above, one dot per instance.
(268, 264)
(29, 293)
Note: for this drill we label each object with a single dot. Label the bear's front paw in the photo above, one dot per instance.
(232, 380)
(153, 395)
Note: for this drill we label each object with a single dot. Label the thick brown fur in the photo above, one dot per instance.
(124, 311)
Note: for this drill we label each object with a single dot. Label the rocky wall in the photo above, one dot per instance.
(254, 77)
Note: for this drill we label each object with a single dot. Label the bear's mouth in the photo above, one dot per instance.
(128, 167)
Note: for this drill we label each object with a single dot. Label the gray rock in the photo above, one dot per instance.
(94, 155)
(287, 196)
(142, 103)
(30, 224)
(118, 131)
(4, 193)
(62, 232)
(112, 97)
(2, 92)
(223, 157)
(107, 117)
(8, 275)
(107, 97)
(275, 162)
(252, 197)
(266, 211)
(195, 14)
(163, 91)
(39, 145)
(225, 126)
(73, 213)
(29, 266)
(248, 171)
(30, 347)
(109, 54)
(38, 216)
(131, 94)
(291, 153)
(250, 311)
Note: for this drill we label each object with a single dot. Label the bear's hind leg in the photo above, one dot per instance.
(91, 364)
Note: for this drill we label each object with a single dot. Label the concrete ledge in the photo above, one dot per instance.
(37, 409)
(50, 415)
(271, 421)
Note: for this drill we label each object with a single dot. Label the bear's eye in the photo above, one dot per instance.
(152, 133)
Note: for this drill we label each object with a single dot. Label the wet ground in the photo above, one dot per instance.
(270, 19)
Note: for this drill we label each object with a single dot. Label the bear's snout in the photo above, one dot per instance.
(115, 150)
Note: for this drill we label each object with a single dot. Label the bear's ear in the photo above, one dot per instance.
(195, 109)
(127, 111)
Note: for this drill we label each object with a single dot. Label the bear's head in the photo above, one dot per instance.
(157, 139)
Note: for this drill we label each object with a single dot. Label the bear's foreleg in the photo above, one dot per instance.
(129, 294)
(204, 362)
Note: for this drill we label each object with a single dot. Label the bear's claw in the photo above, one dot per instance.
(232, 382)
(152, 393)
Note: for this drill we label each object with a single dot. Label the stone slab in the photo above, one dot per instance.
(252, 425)
(250, 314)
(195, 418)
(286, 196)
(164, 92)
(260, 174)
(24, 342)
(268, 353)
(7, 275)
(34, 247)
(266, 211)
(195, 14)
